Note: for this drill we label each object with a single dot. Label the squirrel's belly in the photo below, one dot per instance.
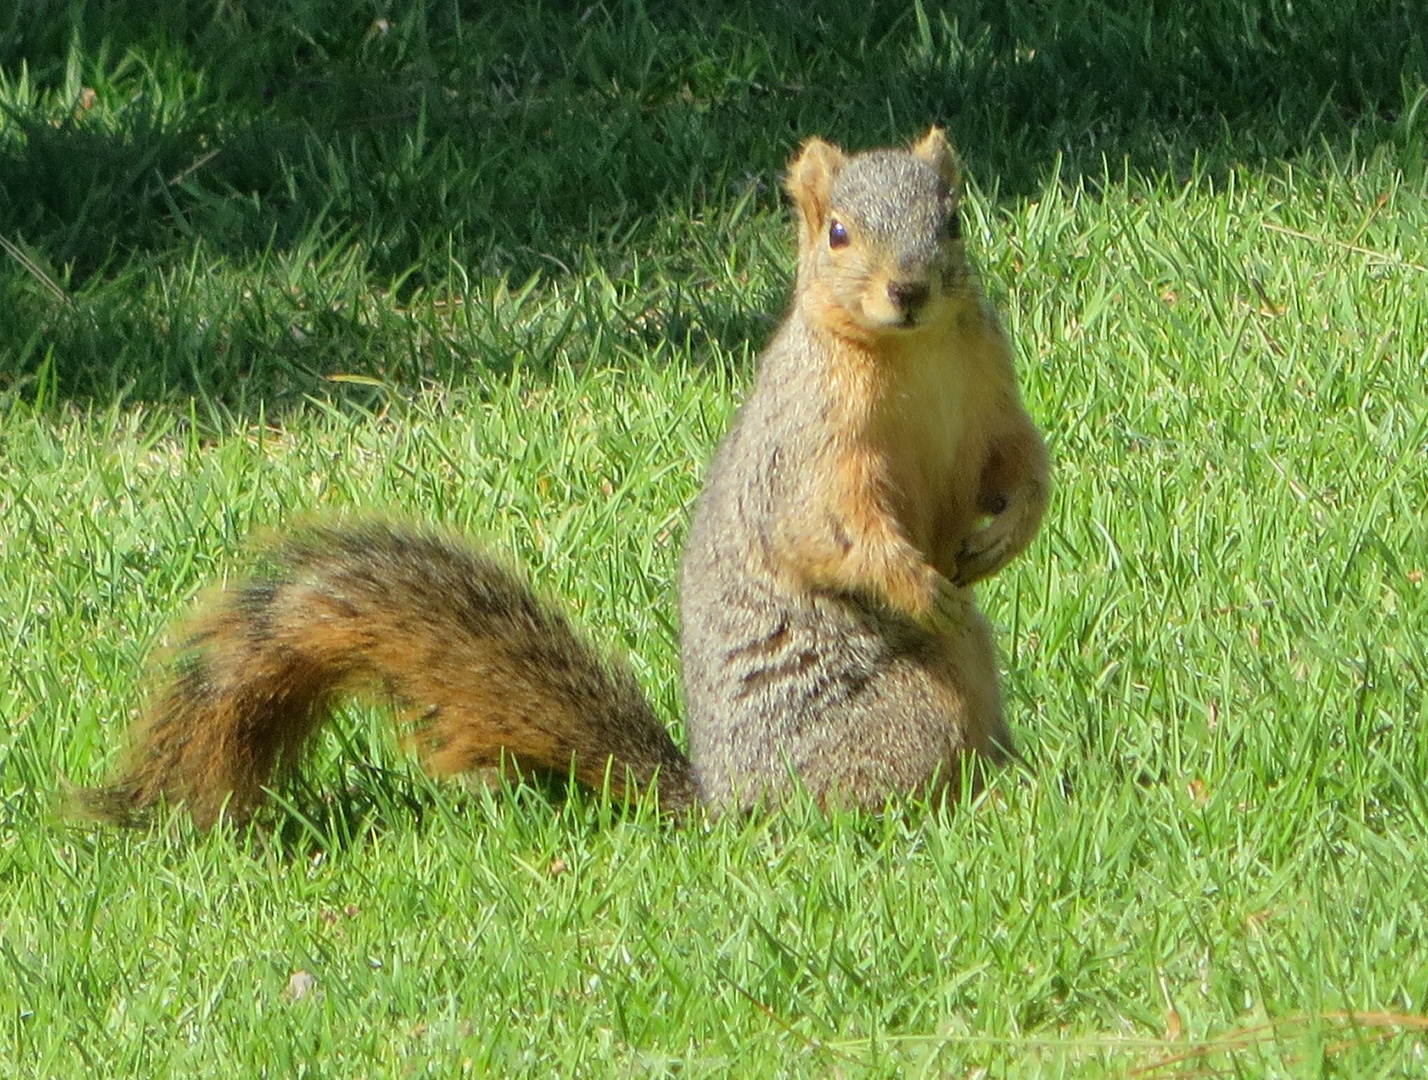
(854, 706)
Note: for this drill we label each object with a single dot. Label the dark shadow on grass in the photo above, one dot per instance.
(333, 813)
(512, 138)
(330, 812)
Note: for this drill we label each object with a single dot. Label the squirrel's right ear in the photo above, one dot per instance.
(934, 149)
(810, 180)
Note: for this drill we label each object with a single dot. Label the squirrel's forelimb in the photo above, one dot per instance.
(1014, 488)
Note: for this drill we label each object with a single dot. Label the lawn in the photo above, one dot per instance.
(509, 271)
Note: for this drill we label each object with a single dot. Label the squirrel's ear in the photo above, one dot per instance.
(934, 149)
(810, 179)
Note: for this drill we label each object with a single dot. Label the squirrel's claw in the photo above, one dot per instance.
(948, 610)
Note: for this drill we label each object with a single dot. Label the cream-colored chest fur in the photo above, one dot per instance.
(930, 429)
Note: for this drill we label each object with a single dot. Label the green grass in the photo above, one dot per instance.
(509, 271)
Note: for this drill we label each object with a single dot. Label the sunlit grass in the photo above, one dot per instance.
(1215, 658)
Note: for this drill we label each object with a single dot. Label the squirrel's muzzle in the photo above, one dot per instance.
(909, 297)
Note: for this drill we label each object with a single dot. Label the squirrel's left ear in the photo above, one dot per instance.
(934, 149)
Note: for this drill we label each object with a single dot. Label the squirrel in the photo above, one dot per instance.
(881, 466)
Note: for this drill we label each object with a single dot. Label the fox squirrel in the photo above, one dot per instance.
(882, 465)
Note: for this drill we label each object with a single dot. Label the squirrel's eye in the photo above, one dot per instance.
(837, 235)
(954, 226)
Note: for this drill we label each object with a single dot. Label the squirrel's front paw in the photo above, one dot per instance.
(985, 552)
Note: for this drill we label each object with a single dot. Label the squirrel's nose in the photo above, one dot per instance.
(908, 295)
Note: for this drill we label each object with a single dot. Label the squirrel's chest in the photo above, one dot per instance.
(928, 434)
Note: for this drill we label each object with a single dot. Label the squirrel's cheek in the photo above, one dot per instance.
(863, 303)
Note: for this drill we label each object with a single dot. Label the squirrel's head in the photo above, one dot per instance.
(880, 239)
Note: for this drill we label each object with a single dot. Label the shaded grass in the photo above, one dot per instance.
(413, 145)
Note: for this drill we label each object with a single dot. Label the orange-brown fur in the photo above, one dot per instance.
(480, 668)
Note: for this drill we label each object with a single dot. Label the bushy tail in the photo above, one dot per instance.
(477, 664)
